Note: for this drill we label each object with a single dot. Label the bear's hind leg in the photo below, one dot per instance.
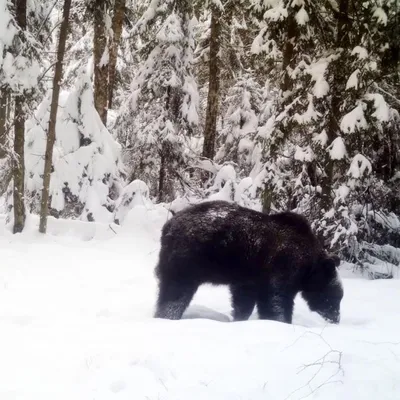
(275, 305)
(243, 301)
(173, 298)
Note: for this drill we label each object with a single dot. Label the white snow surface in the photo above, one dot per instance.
(76, 323)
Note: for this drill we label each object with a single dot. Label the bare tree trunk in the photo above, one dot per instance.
(117, 22)
(100, 59)
(19, 140)
(162, 177)
(4, 98)
(51, 134)
(210, 129)
(19, 165)
(6, 172)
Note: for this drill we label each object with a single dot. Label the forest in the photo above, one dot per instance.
(121, 121)
(272, 104)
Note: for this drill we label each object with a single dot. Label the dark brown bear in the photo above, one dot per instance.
(265, 259)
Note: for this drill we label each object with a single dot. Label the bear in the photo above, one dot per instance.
(266, 260)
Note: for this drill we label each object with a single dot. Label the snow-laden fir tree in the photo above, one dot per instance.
(87, 172)
(156, 122)
(7, 32)
(79, 44)
(112, 20)
(332, 124)
(248, 105)
(219, 60)
(22, 36)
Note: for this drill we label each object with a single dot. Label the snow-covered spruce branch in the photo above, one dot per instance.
(394, 98)
(45, 20)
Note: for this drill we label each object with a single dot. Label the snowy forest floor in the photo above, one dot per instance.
(76, 323)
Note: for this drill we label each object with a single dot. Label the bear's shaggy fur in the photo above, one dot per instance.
(265, 260)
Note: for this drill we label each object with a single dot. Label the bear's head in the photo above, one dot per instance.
(323, 290)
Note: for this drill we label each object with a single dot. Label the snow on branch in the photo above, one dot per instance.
(354, 120)
(359, 166)
(337, 149)
(155, 7)
(382, 110)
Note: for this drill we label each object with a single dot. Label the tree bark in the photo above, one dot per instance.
(4, 98)
(51, 134)
(19, 165)
(19, 138)
(100, 59)
(210, 129)
(117, 23)
(162, 177)
(6, 172)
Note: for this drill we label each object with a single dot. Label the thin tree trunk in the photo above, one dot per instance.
(6, 172)
(210, 129)
(19, 165)
(117, 22)
(51, 134)
(162, 178)
(4, 98)
(19, 140)
(100, 59)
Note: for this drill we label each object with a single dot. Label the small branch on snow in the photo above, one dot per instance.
(308, 333)
(321, 362)
(380, 343)
(109, 225)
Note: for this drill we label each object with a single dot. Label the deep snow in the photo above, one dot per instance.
(76, 323)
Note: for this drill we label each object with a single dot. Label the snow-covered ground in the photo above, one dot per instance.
(76, 323)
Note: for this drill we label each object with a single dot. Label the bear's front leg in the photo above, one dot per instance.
(275, 304)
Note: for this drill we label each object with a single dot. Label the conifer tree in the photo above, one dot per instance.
(19, 78)
(326, 61)
(156, 122)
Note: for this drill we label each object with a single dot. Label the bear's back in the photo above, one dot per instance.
(230, 223)
(292, 221)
